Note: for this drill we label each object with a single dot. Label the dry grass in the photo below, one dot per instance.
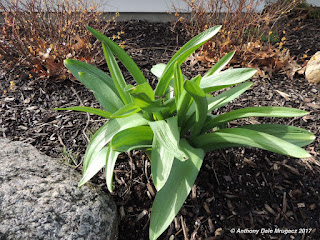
(41, 34)
(247, 28)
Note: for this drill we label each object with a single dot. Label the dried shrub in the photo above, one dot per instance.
(248, 28)
(41, 34)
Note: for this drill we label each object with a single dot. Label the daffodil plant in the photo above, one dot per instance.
(174, 123)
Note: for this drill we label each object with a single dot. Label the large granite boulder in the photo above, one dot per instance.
(39, 199)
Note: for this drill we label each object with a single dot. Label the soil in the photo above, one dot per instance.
(237, 189)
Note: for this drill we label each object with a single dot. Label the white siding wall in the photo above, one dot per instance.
(314, 2)
(144, 5)
(156, 5)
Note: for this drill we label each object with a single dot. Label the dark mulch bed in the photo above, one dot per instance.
(236, 188)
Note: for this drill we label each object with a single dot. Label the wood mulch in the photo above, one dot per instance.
(237, 190)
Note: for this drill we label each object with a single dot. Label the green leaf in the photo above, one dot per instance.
(126, 111)
(172, 195)
(76, 66)
(220, 64)
(158, 69)
(226, 78)
(227, 96)
(297, 136)
(181, 56)
(240, 137)
(95, 111)
(121, 55)
(144, 88)
(184, 104)
(111, 158)
(103, 136)
(116, 74)
(171, 107)
(214, 103)
(144, 98)
(132, 138)
(97, 81)
(178, 81)
(200, 99)
(161, 163)
(145, 103)
(94, 166)
(167, 133)
(254, 112)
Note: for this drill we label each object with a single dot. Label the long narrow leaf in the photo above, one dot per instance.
(184, 104)
(121, 55)
(144, 88)
(75, 66)
(95, 111)
(158, 69)
(200, 99)
(111, 157)
(116, 74)
(126, 110)
(172, 195)
(254, 112)
(161, 163)
(108, 99)
(297, 136)
(178, 81)
(226, 78)
(94, 167)
(98, 81)
(144, 102)
(216, 102)
(238, 137)
(103, 136)
(220, 64)
(129, 138)
(181, 56)
(227, 96)
(167, 133)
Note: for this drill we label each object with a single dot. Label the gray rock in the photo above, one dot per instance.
(39, 199)
(312, 72)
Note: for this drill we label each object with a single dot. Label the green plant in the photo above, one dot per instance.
(174, 123)
(70, 157)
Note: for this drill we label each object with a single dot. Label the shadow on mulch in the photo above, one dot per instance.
(241, 190)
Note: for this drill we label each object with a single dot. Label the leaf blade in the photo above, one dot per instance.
(97, 81)
(297, 136)
(178, 81)
(111, 157)
(220, 64)
(254, 112)
(226, 78)
(116, 74)
(126, 60)
(95, 111)
(200, 100)
(103, 136)
(227, 96)
(161, 163)
(181, 56)
(238, 137)
(129, 138)
(126, 111)
(172, 195)
(94, 167)
(167, 133)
